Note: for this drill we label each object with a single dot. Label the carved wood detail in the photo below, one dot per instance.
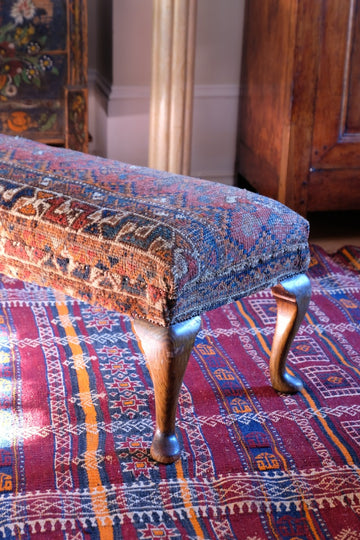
(292, 298)
(167, 351)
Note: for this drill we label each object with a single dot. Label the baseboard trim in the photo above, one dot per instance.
(227, 177)
(120, 125)
(115, 93)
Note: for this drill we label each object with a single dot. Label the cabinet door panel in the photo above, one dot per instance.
(352, 118)
(336, 137)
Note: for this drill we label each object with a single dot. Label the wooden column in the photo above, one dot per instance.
(173, 53)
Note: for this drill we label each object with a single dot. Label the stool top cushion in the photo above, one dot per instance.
(150, 244)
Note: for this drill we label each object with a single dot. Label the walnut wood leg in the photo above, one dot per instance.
(292, 298)
(167, 351)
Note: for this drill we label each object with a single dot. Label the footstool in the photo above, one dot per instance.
(157, 247)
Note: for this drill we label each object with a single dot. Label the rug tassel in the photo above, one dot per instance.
(64, 523)
(14, 529)
(197, 511)
(106, 521)
(203, 511)
(231, 507)
(83, 522)
(245, 508)
(346, 499)
(173, 514)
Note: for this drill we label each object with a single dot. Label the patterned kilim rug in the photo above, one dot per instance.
(76, 421)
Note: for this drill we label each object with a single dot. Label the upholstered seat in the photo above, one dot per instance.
(155, 246)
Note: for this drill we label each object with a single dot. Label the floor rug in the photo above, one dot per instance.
(77, 412)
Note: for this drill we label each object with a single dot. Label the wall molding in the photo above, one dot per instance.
(226, 177)
(115, 93)
(119, 120)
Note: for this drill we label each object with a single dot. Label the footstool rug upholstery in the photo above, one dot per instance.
(158, 247)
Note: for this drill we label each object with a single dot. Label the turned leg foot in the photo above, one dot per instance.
(167, 351)
(292, 298)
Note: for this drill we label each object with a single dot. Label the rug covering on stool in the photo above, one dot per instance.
(150, 244)
(77, 412)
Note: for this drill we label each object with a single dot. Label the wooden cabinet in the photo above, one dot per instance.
(43, 71)
(299, 115)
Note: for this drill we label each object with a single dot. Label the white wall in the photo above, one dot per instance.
(120, 73)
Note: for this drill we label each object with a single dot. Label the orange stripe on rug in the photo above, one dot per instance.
(185, 491)
(186, 496)
(327, 428)
(351, 258)
(267, 350)
(97, 492)
(254, 326)
(332, 346)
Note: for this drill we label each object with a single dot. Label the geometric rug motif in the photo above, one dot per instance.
(77, 416)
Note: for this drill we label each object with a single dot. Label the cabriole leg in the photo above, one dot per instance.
(292, 298)
(167, 351)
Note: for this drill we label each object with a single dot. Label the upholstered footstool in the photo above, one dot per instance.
(158, 247)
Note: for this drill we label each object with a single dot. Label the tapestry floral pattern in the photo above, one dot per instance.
(22, 44)
(35, 61)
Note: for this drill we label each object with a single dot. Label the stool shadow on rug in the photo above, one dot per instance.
(157, 247)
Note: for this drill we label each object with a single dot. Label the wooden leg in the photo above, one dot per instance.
(292, 298)
(167, 351)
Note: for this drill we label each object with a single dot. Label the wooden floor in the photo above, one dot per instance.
(332, 230)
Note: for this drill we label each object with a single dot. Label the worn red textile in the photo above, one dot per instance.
(76, 421)
(149, 244)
